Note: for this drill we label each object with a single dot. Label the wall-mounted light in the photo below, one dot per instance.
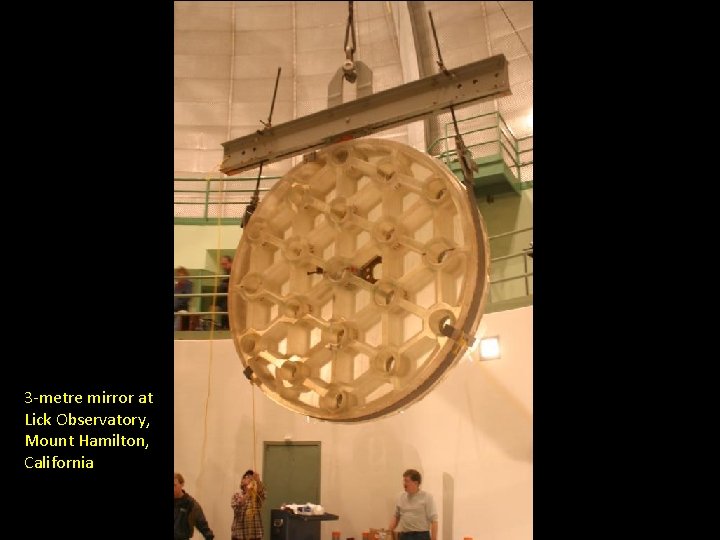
(490, 348)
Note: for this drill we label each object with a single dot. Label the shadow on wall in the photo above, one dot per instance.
(383, 456)
(495, 412)
(448, 505)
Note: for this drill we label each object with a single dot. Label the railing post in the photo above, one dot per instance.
(206, 214)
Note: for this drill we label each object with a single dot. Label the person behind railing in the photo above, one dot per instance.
(182, 305)
(221, 302)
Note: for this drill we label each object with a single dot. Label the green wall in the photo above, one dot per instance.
(506, 213)
(196, 245)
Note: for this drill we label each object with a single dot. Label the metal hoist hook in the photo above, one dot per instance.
(352, 71)
(349, 66)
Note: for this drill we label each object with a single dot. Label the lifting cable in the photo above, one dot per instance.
(464, 155)
(516, 32)
(350, 32)
(255, 199)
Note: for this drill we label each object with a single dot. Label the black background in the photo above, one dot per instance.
(610, 232)
(88, 109)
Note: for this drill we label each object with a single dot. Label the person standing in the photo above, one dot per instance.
(246, 505)
(416, 516)
(182, 304)
(221, 302)
(188, 514)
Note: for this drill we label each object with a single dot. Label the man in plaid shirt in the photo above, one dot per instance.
(246, 504)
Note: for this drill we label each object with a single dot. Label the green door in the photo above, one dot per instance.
(291, 474)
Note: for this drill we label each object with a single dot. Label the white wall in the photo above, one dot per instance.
(471, 438)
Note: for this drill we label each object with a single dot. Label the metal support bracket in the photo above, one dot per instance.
(363, 80)
(460, 87)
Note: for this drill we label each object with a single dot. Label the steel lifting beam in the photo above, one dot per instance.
(477, 81)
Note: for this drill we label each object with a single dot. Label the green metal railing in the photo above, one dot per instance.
(491, 139)
(502, 270)
(210, 201)
(213, 201)
(209, 318)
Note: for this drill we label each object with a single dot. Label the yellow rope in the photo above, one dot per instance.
(252, 390)
(212, 326)
(251, 491)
